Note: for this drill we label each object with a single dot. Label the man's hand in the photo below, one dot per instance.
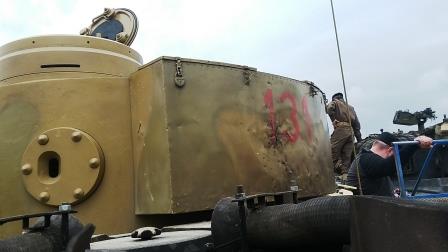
(335, 123)
(424, 142)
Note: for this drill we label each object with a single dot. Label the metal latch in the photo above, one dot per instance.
(179, 77)
(247, 75)
(313, 90)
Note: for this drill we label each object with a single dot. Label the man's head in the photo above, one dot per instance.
(337, 96)
(382, 146)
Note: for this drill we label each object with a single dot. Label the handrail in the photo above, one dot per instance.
(65, 210)
(435, 144)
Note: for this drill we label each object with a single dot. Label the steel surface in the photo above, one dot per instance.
(176, 134)
(97, 106)
(73, 56)
(193, 144)
(62, 165)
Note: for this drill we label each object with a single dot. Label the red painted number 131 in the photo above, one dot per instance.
(293, 135)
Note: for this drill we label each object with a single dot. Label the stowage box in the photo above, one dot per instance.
(218, 125)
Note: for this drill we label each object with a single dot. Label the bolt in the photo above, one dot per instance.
(65, 207)
(26, 169)
(78, 193)
(239, 189)
(44, 196)
(76, 136)
(293, 186)
(42, 139)
(94, 163)
(120, 37)
(239, 192)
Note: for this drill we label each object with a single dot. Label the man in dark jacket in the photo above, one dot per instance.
(346, 124)
(376, 165)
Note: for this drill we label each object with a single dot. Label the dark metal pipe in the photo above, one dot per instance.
(323, 220)
(43, 238)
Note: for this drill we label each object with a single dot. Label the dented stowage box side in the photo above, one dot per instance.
(200, 128)
(151, 153)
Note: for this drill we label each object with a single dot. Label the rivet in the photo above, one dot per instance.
(94, 162)
(78, 193)
(26, 169)
(42, 139)
(76, 136)
(44, 196)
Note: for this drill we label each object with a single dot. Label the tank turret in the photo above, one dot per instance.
(417, 118)
(84, 121)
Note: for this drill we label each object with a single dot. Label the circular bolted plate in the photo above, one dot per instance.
(61, 170)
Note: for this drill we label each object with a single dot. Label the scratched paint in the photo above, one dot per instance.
(295, 135)
(308, 119)
(290, 136)
(269, 102)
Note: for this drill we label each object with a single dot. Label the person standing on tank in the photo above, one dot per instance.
(346, 125)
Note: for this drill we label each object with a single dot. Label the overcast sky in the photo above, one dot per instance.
(395, 53)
